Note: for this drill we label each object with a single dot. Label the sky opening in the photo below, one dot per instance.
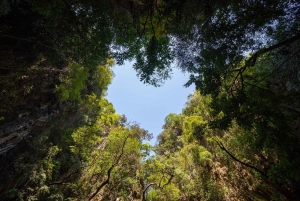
(146, 104)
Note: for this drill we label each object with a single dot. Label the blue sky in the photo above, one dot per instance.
(146, 104)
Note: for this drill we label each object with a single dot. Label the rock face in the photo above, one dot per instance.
(12, 133)
(27, 76)
(28, 101)
(30, 104)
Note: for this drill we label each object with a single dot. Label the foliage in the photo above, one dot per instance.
(73, 84)
(236, 139)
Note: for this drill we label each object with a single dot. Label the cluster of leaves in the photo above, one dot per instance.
(78, 81)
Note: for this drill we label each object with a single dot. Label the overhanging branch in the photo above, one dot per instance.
(220, 144)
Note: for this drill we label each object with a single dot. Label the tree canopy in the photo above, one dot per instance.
(236, 139)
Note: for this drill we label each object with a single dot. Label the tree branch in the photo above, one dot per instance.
(169, 181)
(277, 68)
(145, 190)
(63, 181)
(252, 60)
(24, 39)
(109, 171)
(159, 186)
(241, 162)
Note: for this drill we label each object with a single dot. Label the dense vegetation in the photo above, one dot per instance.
(237, 138)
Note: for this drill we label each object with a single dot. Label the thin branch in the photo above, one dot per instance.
(252, 60)
(159, 186)
(292, 109)
(145, 190)
(24, 39)
(263, 89)
(109, 171)
(220, 144)
(169, 181)
(63, 181)
(277, 68)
